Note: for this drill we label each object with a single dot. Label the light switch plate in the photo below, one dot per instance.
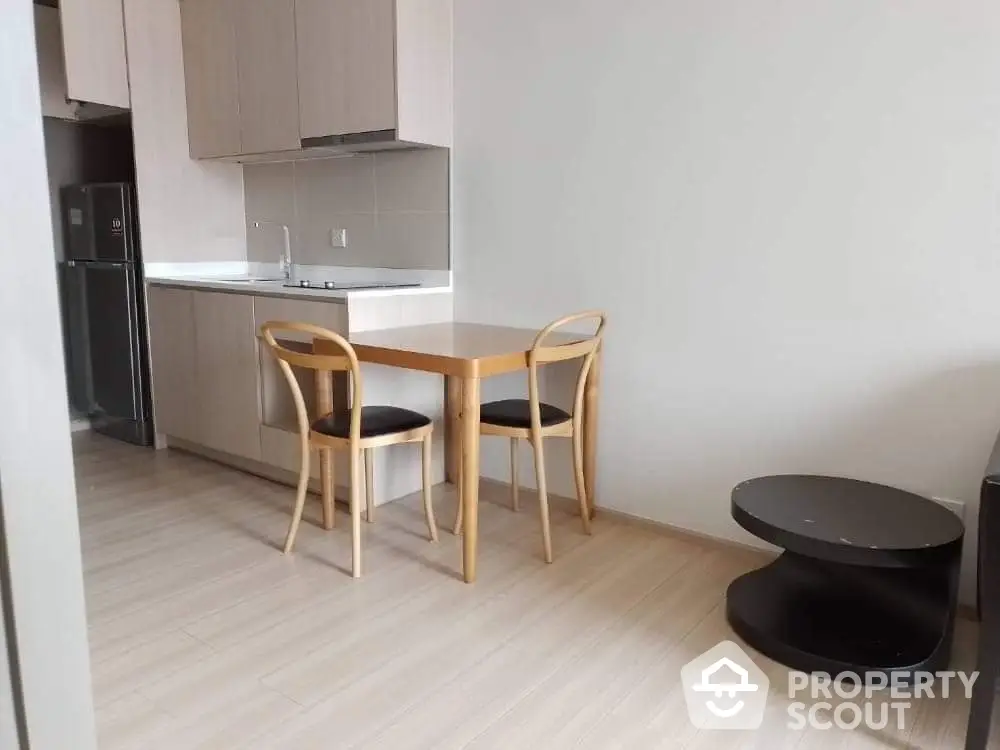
(338, 238)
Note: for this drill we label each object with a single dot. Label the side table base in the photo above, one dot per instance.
(818, 616)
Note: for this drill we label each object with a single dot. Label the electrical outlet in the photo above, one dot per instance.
(955, 506)
(338, 238)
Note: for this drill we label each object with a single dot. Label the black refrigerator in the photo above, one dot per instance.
(104, 311)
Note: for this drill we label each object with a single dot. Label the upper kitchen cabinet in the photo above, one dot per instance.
(240, 76)
(265, 56)
(88, 79)
(51, 65)
(93, 38)
(208, 38)
(345, 66)
(378, 70)
(294, 78)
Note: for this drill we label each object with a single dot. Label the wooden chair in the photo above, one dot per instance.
(358, 429)
(532, 420)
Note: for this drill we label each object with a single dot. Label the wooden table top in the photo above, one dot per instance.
(463, 349)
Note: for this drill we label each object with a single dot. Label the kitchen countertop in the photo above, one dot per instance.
(276, 289)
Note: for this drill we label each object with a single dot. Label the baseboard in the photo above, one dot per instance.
(79, 424)
(568, 504)
(571, 505)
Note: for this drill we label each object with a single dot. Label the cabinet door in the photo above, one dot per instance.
(51, 64)
(279, 424)
(321, 40)
(226, 351)
(208, 33)
(346, 66)
(277, 402)
(371, 66)
(424, 71)
(172, 352)
(267, 72)
(93, 33)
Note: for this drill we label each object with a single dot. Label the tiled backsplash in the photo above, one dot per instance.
(393, 204)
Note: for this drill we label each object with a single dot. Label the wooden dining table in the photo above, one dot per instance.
(464, 353)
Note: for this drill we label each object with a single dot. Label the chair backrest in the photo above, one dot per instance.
(289, 358)
(587, 348)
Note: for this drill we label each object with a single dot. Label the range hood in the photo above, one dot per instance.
(331, 147)
(373, 140)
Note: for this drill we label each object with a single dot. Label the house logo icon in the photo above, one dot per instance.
(724, 689)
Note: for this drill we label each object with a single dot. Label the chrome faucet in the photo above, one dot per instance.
(285, 259)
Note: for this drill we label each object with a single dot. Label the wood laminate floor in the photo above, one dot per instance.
(204, 636)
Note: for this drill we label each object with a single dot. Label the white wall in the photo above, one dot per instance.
(38, 503)
(188, 210)
(789, 211)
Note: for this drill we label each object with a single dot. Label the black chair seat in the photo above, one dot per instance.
(375, 422)
(516, 412)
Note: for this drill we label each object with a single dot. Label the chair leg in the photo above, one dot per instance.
(355, 514)
(425, 460)
(514, 476)
(300, 501)
(369, 485)
(328, 486)
(543, 498)
(581, 483)
(457, 528)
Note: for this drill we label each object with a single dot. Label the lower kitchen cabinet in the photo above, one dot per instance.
(172, 356)
(216, 386)
(218, 390)
(282, 449)
(226, 356)
(279, 426)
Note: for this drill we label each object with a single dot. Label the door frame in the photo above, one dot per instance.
(13, 721)
(43, 602)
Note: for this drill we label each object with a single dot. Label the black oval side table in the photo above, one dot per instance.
(868, 581)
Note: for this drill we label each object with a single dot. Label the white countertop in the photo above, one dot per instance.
(260, 281)
(277, 288)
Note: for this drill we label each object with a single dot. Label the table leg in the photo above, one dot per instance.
(452, 429)
(590, 432)
(470, 475)
(324, 405)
